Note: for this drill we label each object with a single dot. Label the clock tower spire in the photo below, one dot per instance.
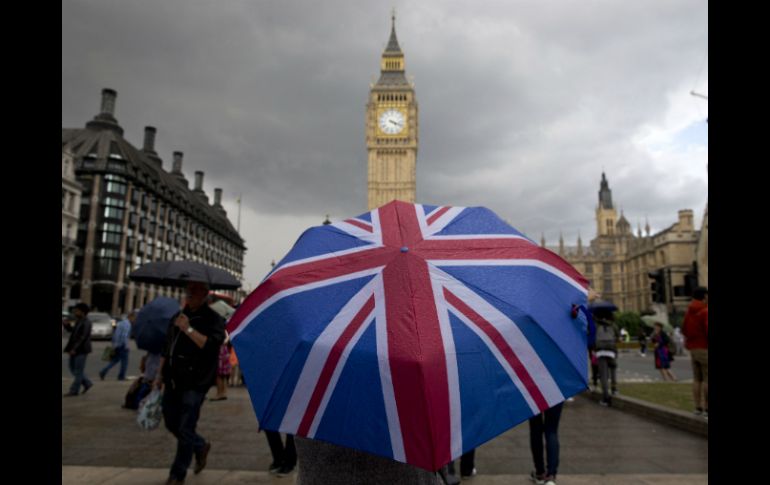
(391, 130)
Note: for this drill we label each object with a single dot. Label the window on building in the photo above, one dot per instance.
(607, 268)
(115, 202)
(589, 268)
(107, 268)
(607, 286)
(111, 238)
(113, 212)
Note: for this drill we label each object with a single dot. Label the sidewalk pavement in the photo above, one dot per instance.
(102, 444)
(136, 476)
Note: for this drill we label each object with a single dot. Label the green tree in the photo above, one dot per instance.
(631, 321)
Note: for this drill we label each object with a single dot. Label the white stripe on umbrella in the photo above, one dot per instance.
(298, 289)
(453, 378)
(389, 397)
(443, 263)
(512, 335)
(439, 224)
(316, 359)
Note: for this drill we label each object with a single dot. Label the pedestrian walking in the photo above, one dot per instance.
(120, 347)
(78, 347)
(695, 328)
(607, 336)
(545, 428)
(660, 341)
(188, 368)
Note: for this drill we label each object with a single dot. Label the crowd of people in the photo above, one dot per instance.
(198, 355)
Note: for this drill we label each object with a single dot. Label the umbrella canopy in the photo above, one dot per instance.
(651, 320)
(151, 324)
(179, 273)
(223, 309)
(602, 305)
(412, 332)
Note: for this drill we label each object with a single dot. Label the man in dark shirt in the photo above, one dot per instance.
(187, 370)
(78, 347)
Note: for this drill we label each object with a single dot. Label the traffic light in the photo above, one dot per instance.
(657, 287)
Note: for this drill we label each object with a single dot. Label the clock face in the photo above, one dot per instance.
(392, 122)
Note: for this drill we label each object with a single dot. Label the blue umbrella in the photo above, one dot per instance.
(149, 329)
(412, 332)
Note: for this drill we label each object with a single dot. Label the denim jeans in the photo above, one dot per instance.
(121, 355)
(545, 423)
(78, 369)
(181, 410)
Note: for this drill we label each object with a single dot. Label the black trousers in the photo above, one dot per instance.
(466, 464)
(282, 455)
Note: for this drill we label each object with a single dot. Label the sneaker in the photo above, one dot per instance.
(101, 375)
(550, 480)
(274, 467)
(473, 474)
(539, 479)
(285, 470)
(614, 392)
(606, 403)
(86, 388)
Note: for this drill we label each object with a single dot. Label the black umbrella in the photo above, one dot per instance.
(179, 273)
(151, 325)
(602, 305)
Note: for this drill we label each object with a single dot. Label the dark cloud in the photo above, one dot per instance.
(521, 104)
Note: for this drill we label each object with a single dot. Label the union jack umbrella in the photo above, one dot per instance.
(412, 332)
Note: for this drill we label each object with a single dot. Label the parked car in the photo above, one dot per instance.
(102, 326)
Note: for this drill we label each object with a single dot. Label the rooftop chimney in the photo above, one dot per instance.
(108, 101)
(217, 197)
(149, 138)
(199, 180)
(105, 120)
(177, 165)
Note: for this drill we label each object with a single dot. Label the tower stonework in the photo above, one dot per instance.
(391, 131)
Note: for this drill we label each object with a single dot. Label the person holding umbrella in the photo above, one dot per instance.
(188, 369)
(408, 336)
(607, 336)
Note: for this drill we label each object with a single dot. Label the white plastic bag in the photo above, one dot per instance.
(150, 411)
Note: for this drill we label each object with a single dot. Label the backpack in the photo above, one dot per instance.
(605, 337)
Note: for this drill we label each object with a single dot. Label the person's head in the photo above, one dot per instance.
(196, 293)
(701, 293)
(658, 327)
(132, 316)
(604, 314)
(81, 310)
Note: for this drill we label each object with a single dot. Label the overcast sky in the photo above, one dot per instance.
(522, 104)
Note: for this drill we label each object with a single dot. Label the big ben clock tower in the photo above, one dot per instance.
(391, 130)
